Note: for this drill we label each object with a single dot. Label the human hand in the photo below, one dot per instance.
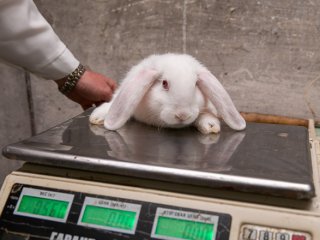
(91, 89)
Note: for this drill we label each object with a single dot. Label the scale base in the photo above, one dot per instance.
(245, 217)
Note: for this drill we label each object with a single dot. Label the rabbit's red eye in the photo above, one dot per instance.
(165, 84)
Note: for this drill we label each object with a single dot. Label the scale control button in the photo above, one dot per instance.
(249, 234)
(282, 236)
(298, 237)
(265, 235)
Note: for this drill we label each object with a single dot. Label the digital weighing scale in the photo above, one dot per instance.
(82, 182)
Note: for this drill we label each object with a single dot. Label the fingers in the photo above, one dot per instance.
(95, 87)
(85, 106)
(112, 84)
(92, 89)
(106, 94)
(84, 103)
(98, 103)
(88, 104)
(108, 90)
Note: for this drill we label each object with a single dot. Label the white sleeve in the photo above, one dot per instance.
(28, 40)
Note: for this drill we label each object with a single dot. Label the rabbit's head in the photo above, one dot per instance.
(170, 90)
(173, 100)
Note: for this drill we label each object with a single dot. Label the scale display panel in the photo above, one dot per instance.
(59, 214)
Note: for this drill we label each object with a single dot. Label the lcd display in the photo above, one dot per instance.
(184, 229)
(109, 217)
(44, 207)
(44, 204)
(174, 224)
(109, 214)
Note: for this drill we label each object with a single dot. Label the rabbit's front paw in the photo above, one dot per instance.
(96, 120)
(207, 123)
(98, 115)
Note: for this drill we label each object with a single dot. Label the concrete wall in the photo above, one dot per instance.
(266, 54)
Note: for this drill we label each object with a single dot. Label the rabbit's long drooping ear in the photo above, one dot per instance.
(131, 91)
(214, 91)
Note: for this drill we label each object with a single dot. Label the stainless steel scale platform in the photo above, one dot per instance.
(257, 184)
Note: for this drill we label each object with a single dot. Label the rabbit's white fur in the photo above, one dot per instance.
(170, 90)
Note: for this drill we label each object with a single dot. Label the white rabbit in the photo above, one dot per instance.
(170, 90)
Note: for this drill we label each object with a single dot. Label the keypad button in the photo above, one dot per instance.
(298, 237)
(249, 234)
(265, 235)
(282, 236)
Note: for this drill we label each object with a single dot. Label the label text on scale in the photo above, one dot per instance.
(62, 236)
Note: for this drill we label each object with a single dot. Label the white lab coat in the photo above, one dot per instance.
(28, 40)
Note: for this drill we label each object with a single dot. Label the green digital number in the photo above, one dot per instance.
(43, 207)
(107, 217)
(184, 229)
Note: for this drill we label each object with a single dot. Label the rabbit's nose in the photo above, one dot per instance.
(182, 116)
